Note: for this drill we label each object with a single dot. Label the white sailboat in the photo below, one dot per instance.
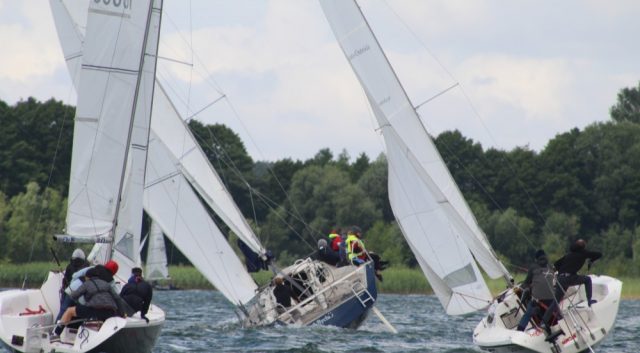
(156, 268)
(115, 92)
(176, 167)
(437, 222)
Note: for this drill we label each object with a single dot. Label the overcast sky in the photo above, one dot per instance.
(527, 70)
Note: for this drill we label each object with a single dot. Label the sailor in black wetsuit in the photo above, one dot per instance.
(569, 265)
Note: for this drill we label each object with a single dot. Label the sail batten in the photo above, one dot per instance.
(428, 205)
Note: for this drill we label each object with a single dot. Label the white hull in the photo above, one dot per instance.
(31, 333)
(583, 327)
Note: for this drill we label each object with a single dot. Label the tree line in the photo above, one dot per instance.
(583, 184)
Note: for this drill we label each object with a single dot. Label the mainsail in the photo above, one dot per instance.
(430, 209)
(199, 238)
(115, 92)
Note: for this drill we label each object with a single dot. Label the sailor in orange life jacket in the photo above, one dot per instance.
(356, 251)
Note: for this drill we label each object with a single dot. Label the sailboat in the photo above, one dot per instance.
(111, 133)
(179, 176)
(156, 267)
(438, 224)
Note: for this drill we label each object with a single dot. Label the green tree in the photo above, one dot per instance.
(627, 108)
(374, 183)
(34, 218)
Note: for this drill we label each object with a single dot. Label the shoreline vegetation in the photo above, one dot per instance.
(397, 280)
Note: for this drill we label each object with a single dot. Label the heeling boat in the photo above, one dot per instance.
(111, 133)
(179, 176)
(438, 224)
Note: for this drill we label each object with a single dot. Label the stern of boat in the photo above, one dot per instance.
(583, 327)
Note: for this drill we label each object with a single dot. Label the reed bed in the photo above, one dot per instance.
(400, 280)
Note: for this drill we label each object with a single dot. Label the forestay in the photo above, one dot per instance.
(430, 210)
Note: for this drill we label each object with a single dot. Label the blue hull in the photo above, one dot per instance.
(351, 313)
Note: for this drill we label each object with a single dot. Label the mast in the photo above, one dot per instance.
(131, 124)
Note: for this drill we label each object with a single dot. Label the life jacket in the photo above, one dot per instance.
(355, 247)
(336, 239)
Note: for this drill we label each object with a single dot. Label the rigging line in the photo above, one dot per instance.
(485, 191)
(476, 113)
(41, 210)
(437, 95)
(228, 161)
(204, 108)
(265, 200)
(209, 79)
(287, 196)
(175, 60)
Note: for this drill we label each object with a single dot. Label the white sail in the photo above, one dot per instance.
(174, 132)
(171, 129)
(170, 201)
(107, 95)
(429, 207)
(156, 266)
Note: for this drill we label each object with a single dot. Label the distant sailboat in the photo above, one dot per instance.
(156, 267)
(176, 167)
(111, 133)
(437, 222)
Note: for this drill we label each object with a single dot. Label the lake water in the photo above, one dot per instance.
(203, 321)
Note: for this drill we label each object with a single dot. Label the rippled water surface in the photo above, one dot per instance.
(202, 321)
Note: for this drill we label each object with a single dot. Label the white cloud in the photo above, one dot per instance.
(537, 87)
(30, 51)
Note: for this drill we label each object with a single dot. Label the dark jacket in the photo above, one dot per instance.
(138, 294)
(327, 255)
(97, 293)
(540, 279)
(283, 295)
(574, 260)
(74, 266)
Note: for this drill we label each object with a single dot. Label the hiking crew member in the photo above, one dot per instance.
(335, 239)
(138, 293)
(569, 265)
(539, 282)
(325, 254)
(101, 299)
(77, 262)
(356, 252)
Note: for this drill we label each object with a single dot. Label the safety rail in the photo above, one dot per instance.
(324, 290)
